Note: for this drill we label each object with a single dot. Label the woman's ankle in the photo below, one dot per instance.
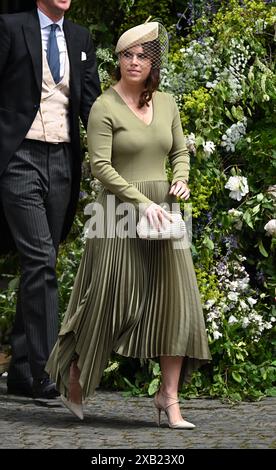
(168, 392)
(74, 372)
(75, 390)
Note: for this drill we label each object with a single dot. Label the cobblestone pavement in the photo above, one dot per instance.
(114, 422)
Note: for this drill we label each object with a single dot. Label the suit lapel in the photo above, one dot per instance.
(33, 39)
(74, 51)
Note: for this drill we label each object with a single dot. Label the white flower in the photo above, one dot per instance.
(233, 296)
(191, 138)
(211, 316)
(235, 213)
(270, 227)
(233, 135)
(244, 305)
(190, 142)
(233, 285)
(272, 190)
(232, 319)
(96, 185)
(210, 303)
(236, 217)
(243, 283)
(211, 84)
(209, 147)
(245, 322)
(238, 225)
(238, 187)
(251, 301)
(217, 334)
(214, 326)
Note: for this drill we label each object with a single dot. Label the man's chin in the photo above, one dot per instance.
(63, 6)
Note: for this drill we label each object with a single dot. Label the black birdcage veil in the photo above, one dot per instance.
(152, 37)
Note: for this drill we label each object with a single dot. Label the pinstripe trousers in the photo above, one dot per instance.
(35, 192)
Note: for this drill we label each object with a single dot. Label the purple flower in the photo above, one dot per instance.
(230, 241)
(209, 216)
(83, 195)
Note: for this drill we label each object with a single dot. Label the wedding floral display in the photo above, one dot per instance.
(238, 187)
(223, 77)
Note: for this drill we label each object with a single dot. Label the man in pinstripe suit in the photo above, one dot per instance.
(40, 165)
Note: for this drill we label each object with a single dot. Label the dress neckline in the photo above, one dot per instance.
(133, 113)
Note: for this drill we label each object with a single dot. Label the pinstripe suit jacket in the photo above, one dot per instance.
(20, 91)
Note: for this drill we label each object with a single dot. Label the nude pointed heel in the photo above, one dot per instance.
(158, 410)
(183, 424)
(75, 392)
(76, 409)
(158, 414)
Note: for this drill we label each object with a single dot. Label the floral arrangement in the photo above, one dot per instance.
(223, 77)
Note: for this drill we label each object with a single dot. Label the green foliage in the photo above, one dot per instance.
(103, 18)
(132, 376)
(67, 266)
(106, 20)
(7, 309)
(143, 9)
(204, 190)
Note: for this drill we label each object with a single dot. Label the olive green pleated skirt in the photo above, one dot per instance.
(136, 297)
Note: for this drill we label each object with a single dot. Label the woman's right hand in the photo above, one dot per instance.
(156, 215)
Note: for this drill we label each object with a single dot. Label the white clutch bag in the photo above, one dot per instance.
(174, 229)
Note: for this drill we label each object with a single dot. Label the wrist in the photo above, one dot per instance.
(181, 181)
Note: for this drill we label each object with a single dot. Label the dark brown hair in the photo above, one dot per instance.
(153, 79)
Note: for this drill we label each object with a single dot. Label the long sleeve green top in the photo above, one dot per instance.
(124, 150)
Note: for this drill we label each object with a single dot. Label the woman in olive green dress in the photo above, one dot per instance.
(136, 297)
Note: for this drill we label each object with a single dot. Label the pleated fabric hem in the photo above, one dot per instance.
(59, 368)
(189, 366)
(136, 297)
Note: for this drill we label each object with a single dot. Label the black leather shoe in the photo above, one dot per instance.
(45, 388)
(23, 389)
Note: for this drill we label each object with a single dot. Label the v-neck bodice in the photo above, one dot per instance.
(133, 112)
(123, 149)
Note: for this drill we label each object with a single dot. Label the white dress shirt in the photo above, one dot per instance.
(45, 27)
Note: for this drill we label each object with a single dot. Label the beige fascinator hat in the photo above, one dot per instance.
(138, 35)
(153, 36)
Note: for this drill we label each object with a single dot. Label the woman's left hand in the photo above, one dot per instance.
(180, 189)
